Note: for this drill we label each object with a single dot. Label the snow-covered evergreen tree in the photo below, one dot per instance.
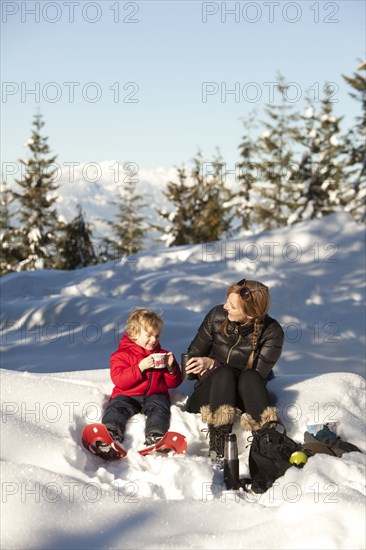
(212, 200)
(275, 150)
(305, 177)
(129, 224)
(178, 229)
(317, 178)
(203, 209)
(5, 199)
(37, 215)
(355, 195)
(76, 248)
(10, 243)
(247, 176)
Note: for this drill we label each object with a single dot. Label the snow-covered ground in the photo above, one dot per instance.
(58, 330)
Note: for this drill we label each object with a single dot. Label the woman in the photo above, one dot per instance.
(233, 354)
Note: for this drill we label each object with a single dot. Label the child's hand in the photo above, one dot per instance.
(169, 361)
(146, 363)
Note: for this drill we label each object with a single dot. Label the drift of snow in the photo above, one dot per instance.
(58, 331)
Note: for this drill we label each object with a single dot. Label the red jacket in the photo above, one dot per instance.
(128, 378)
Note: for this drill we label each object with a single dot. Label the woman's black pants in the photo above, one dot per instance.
(229, 386)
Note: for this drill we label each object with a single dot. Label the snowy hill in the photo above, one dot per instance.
(58, 330)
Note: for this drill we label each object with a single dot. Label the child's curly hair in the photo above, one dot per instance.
(142, 318)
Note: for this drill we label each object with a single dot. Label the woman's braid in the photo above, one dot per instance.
(256, 329)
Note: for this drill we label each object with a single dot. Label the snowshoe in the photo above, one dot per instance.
(98, 441)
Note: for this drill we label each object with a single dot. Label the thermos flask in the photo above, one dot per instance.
(231, 462)
(184, 359)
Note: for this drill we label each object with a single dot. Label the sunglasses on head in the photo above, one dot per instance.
(244, 292)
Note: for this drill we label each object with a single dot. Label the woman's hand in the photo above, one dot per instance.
(146, 363)
(197, 365)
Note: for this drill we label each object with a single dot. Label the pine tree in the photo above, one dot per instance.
(355, 196)
(318, 176)
(330, 145)
(212, 200)
(307, 195)
(305, 178)
(76, 248)
(178, 230)
(247, 176)
(203, 208)
(37, 215)
(10, 245)
(5, 200)
(275, 150)
(128, 226)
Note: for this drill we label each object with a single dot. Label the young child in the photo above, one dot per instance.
(139, 386)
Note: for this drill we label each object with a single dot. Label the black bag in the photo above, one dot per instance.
(269, 456)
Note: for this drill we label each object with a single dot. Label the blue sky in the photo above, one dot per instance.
(125, 80)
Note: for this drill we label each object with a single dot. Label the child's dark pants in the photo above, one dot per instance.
(156, 408)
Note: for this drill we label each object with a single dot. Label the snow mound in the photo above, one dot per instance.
(180, 502)
(58, 330)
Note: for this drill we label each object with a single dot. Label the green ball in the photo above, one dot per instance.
(298, 458)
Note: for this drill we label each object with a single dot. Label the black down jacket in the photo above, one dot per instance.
(235, 348)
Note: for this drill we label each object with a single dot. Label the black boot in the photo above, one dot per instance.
(115, 432)
(152, 438)
(217, 442)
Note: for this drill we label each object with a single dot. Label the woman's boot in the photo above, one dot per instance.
(220, 423)
(270, 414)
(217, 442)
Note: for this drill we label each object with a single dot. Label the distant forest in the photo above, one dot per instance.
(293, 165)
